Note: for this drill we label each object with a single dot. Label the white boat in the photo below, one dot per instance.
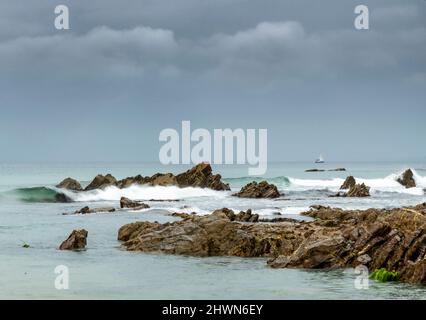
(320, 160)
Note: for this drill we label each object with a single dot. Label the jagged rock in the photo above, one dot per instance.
(208, 235)
(127, 182)
(407, 179)
(77, 240)
(348, 184)
(338, 169)
(394, 239)
(87, 210)
(258, 190)
(70, 184)
(201, 176)
(136, 205)
(359, 190)
(242, 216)
(101, 181)
(163, 179)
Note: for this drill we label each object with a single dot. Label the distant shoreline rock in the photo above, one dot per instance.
(324, 170)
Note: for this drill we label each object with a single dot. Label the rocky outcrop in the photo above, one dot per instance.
(315, 170)
(100, 182)
(349, 183)
(201, 176)
(359, 190)
(392, 239)
(407, 179)
(135, 205)
(258, 190)
(77, 240)
(242, 216)
(338, 169)
(210, 235)
(70, 184)
(87, 210)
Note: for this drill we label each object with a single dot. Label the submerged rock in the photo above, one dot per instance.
(70, 184)
(87, 210)
(258, 190)
(359, 190)
(314, 170)
(407, 179)
(349, 183)
(392, 239)
(100, 182)
(136, 205)
(77, 240)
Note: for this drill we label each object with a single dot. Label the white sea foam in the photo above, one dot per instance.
(387, 184)
(137, 192)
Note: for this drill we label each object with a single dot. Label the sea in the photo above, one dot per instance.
(32, 226)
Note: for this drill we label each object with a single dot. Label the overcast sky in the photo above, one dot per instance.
(127, 69)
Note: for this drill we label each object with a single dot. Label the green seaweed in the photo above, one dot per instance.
(383, 275)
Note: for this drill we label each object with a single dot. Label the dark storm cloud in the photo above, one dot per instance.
(140, 66)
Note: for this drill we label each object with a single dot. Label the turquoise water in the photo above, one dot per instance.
(105, 271)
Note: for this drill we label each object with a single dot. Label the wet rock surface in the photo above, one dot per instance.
(77, 240)
(136, 205)
(87, 210)
(392, 239)
(407, 179)
(70, 184)
(100, 182)
(359, 190)
(200, 176)
(349, 183)
(258, 190)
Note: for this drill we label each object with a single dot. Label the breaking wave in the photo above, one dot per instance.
(137, 192)
(37, 194)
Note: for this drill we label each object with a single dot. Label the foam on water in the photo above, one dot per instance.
(137, 192)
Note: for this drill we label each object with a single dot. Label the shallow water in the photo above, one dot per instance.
(105, 271)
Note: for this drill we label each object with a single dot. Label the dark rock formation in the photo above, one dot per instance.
(407, 179)
(70, 184)
(201, 176)
(136, 205)
(392, 239)
(314, 170)
(242, 216)
(77, 240)
(101, 181)
(349, 183)
(359, 190)
(258, 190)
(338, 169)
(87, 210)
